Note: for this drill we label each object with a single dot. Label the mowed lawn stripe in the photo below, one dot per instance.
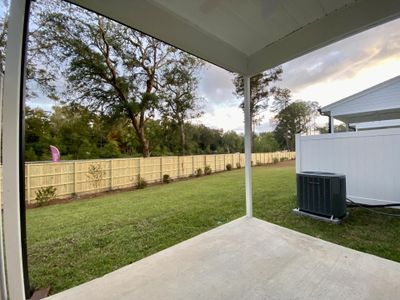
(72, 243)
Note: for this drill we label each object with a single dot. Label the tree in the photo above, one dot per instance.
(3, 41)
(37, 75)
(265, 142)
(314, 110)
(77, 132)
(181, 102)
(282, 99)
(293, 119)
(109, 68)
(337, 128)
(37, 134)
(261, 90)
(232, 142)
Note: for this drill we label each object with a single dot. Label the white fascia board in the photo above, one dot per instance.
(339, 24)
(380, 86)
(157, 22)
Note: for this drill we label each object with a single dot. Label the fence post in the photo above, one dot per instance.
(111, 174)
(192, 164)
(28, 184)
(75, 177)
(224, 163)
(205, 162)
(161, 169)
(179, 169)
(215, 163)
(140, 171)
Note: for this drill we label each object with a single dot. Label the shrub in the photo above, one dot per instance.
(45, 194)
(166, 178)
(198, 172)
(95, 175)
(258, 163)
(141, 183)
(276, 160)
(283, 159)
(229, 167)
(207, 170)
(238, 165)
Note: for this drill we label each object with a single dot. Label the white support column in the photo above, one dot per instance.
(11, 135)
(247, 146)
(331, 124)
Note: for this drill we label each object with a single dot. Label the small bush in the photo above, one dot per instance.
(95, 175)
(252, 163)
(45, 194)
(207, 170)
(258, 163)
(238, 165)
(229, 167)
(198, 172)
(166, 178)
(283, 159)
(276, 160)
(141, 183)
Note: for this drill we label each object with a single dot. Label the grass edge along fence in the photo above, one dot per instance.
(74, 178)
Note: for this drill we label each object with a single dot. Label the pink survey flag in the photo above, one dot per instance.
(55, 154)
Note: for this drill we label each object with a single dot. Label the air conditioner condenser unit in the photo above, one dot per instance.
(321, 195)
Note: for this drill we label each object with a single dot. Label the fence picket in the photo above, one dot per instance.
(70, 177)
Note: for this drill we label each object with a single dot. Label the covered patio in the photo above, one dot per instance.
(247, 258)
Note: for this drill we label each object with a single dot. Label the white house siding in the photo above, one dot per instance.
(369, 159)
(384, 96)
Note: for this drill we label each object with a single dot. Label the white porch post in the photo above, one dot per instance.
(247, 146)
(331, 124)
(11, 149)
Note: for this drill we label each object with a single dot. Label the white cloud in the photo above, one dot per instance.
(325, 75)
(224, 117)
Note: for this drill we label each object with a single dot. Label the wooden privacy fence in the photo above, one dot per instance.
(72, 178)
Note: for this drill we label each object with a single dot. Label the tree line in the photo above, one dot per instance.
(82, 134)
(126, 94)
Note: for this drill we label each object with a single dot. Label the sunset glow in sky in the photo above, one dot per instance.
(325, 75)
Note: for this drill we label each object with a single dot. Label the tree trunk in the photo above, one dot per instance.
(146, 148)
(140, 134)
(144, 142)
(182, 136)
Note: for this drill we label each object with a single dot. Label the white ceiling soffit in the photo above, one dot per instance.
(247, 36)
(383, 115)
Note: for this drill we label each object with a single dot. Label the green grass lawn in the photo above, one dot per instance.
(72, 243)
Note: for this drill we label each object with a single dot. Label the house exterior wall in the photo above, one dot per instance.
(369, 159)
(384, 96)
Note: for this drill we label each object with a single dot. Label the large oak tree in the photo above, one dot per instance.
(110, 68)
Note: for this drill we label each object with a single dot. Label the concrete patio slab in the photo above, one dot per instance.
(248, 259)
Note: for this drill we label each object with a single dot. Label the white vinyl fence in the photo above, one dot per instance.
(369, 159)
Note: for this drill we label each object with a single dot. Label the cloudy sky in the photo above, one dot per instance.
(325, 75)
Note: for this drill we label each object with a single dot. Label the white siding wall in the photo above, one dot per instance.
(386, 97)
(369, 159)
